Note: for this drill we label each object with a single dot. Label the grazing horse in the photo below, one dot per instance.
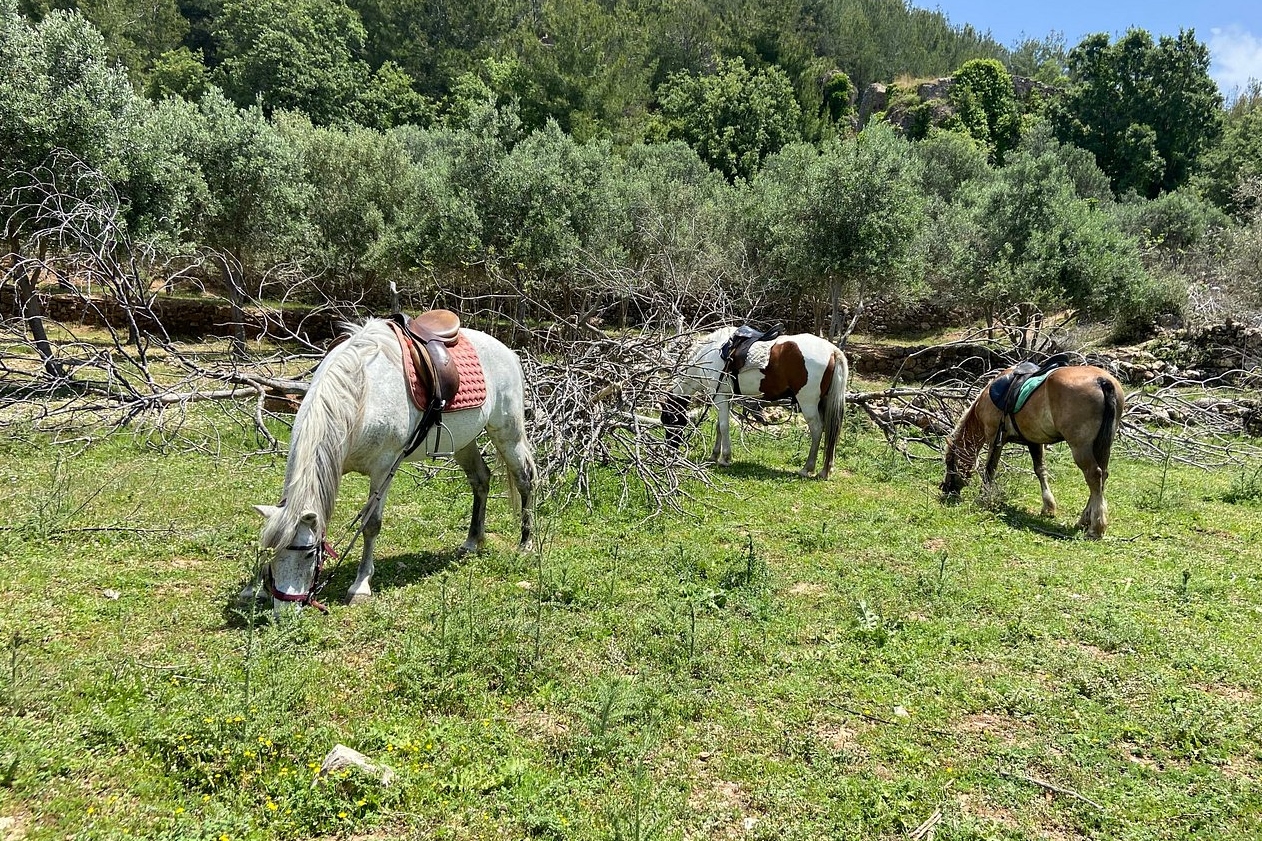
(805, 368)
(1079, 404)
(357, 416)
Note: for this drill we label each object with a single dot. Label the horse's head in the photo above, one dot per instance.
(674, 418)
(955, 479)
(298, 549)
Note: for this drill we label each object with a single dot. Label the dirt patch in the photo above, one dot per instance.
(1094, 652)
(722, 810)
(806, 588)
(1240, 768)
(1238, 694)
(539, 725)
(1004, 728)
(1135, 756)
(840, 737)
(935, 544)
(981, 808)
(14, 827)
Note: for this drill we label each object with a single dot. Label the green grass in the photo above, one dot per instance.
(791, 660)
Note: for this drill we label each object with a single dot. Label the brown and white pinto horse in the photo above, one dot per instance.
(1079, 404)
(805, 368)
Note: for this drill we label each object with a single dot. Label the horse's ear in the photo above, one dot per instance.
(308, 517)
(267, 511)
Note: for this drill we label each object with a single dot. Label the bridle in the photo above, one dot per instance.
(321, 550)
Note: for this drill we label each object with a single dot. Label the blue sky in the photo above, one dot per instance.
(1232, 29)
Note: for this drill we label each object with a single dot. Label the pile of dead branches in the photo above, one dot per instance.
(595, 376)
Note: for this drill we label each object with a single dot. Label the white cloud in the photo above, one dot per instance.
(1235, 57)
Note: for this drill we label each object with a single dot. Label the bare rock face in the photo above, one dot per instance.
(343, 757)
(936, 89)
(1023, 86)
(874, 99)
(937, 92)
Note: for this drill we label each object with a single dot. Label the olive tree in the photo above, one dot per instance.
(844, 219)
(734, 117)
(63, 110)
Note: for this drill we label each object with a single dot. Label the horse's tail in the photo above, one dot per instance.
(1103, 444)
(833, 406)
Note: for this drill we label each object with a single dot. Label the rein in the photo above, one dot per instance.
(431, 418)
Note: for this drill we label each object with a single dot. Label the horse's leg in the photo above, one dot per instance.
(470, 458)
(992, 461)
(361, 588)
(511, 444)
(1040, 470)
(521, 472)
(722, 454)
(1095, 517)
(815, 424)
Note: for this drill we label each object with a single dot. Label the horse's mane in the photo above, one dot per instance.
(969, 433)
(324, 429)
(705, 343)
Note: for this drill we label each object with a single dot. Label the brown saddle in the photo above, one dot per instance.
(431, 333)
(435, 325)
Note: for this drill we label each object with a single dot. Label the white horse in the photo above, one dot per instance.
(810, 370)
(357, 417)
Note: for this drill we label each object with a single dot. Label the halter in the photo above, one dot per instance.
(321, 550)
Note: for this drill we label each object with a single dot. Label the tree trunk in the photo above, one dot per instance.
(834, 319)
(32, 308)
(236, 299)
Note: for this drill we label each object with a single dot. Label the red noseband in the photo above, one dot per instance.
(321, 550)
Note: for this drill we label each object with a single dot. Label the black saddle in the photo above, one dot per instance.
(1005, 389)
(736, 349)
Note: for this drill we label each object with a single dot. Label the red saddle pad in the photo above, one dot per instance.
(472, 391)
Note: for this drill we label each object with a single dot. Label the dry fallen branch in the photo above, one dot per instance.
(1049, 786)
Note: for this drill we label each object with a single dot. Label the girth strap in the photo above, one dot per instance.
(425, 359)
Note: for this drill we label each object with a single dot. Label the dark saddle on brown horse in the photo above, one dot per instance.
(736, 349)
(1010, 391)
(429, 335)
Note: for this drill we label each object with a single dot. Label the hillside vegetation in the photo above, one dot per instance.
(324, 151)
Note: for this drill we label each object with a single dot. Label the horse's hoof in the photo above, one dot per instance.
(1048, 512)
(353, 599)
(469, 547)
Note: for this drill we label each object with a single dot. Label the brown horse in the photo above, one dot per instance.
(1079, 404)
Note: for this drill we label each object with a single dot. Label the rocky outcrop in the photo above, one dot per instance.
(902, 109)
(935, 89)
(873, 101)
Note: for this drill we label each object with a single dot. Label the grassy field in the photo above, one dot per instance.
(791, 660)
